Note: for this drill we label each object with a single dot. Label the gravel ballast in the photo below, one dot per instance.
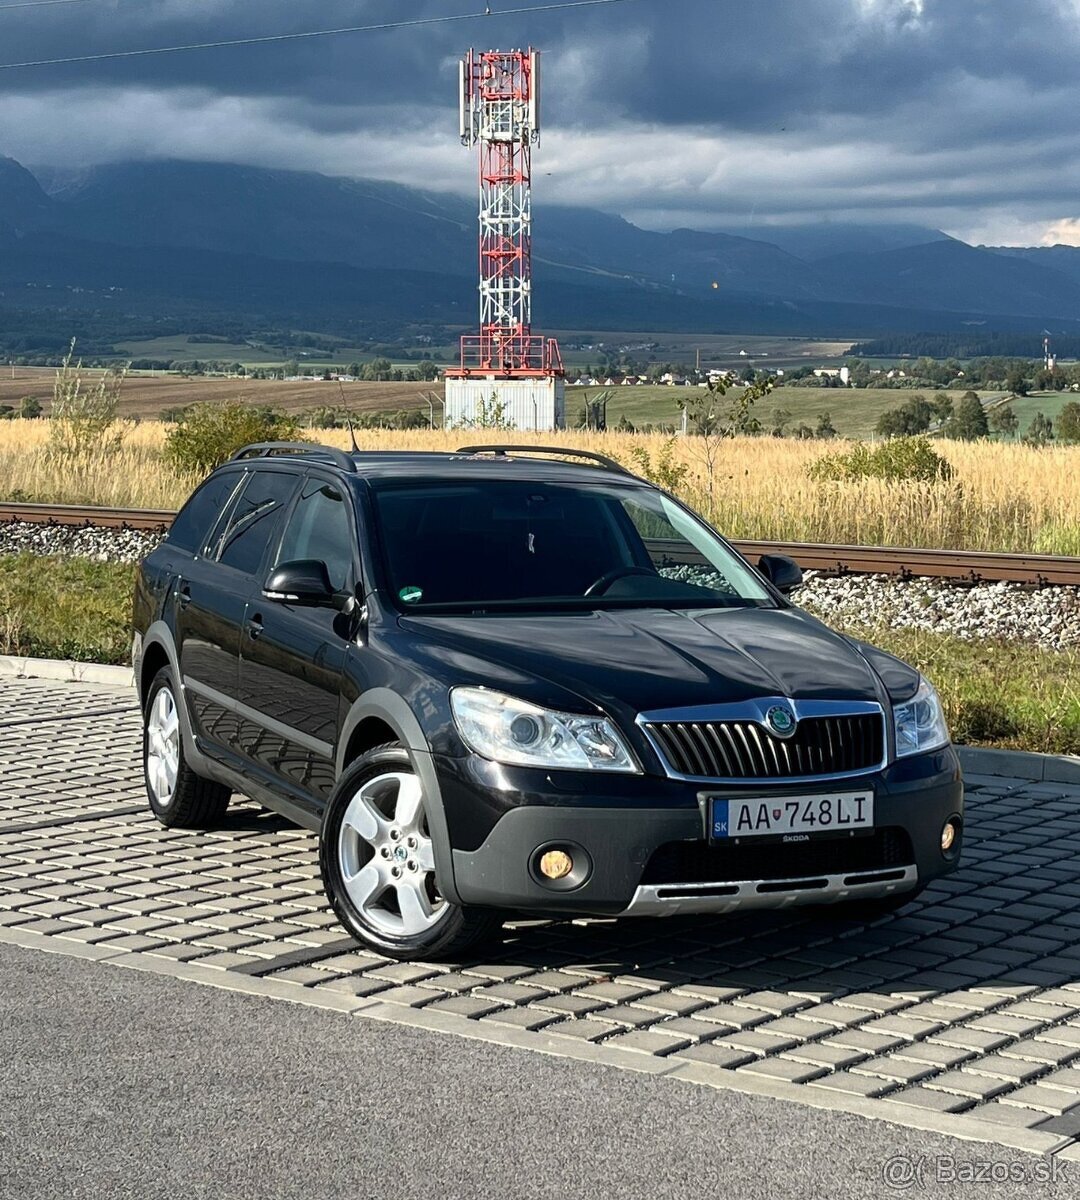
(77, 541)
(1047, 617)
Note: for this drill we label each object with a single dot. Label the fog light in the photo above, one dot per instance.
(948, 836)
(556, 864)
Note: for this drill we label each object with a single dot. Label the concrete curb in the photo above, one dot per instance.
(1029, 1141)
(1047, 768)
(66, 670)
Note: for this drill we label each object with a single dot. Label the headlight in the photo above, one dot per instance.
(920, 723)
(513, 731)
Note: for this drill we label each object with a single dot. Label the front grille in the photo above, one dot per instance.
(700, 862)
(746, 750)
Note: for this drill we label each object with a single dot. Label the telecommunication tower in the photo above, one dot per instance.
(500, 113)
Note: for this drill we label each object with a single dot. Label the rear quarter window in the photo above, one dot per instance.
(194, 522)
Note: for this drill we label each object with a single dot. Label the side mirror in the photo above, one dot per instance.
(305, 582)
(783, 573)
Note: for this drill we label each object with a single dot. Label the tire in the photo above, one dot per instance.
(178, 797)
(378, 865)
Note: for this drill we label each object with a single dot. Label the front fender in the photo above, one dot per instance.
(388, 707)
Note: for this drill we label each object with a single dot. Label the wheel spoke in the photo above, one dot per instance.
(416, 909)
(172, 723)
(425, 854)
(365, 819)
(409, 799)
(364, 886)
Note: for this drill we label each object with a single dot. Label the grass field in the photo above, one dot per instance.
(1049, 404)
(854, 411)
(715, 349)
(1002, 496)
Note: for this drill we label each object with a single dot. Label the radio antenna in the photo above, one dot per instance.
(348, 418)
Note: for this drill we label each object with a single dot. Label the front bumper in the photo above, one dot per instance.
(643, 841)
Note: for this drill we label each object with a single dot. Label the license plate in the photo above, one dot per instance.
(785, 816)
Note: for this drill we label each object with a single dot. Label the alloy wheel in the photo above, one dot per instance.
(386, 857)
(163, 746)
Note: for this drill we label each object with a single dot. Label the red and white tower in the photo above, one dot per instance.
(500, 112)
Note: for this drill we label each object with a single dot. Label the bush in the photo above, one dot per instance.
(905, 458)
(83, 417)
(665, 472)
(206, 435)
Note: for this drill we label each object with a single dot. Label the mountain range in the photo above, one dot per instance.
(172, 237)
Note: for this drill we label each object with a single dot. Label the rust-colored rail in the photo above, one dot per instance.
(152, 520)
(970, 566)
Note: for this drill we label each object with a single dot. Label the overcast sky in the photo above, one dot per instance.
(959, 114)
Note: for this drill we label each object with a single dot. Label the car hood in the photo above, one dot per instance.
(630, 661)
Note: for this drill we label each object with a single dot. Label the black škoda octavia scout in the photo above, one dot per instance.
(500, 681)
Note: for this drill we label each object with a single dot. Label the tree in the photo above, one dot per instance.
(378, 369)
(942, 406)
(780, 420)
(428, 371)
(1016, 380)
(910, 418)
(969, 421)
(1068, 422)
(712, 416)
(1040, 431)
(825, 427)
(28, 408)
(1003, 420)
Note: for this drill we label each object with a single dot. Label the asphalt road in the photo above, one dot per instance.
(117, 1083)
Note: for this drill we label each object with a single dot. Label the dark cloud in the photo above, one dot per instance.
(958, 112)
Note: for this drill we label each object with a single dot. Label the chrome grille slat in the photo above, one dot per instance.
(841, 744)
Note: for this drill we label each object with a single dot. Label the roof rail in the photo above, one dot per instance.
(600, 460)
(266, 449)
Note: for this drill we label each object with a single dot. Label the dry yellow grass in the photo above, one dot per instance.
(1003, 496)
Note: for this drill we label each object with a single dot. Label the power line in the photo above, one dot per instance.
(289, 37)
(41, 3)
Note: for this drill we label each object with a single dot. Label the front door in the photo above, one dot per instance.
(292, 656)
(212, 598)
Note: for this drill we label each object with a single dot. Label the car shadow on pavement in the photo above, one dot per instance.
(1009, 915)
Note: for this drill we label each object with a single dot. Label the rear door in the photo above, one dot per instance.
(212, 598)
(292, 657)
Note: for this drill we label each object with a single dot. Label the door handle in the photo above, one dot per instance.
(184, 595)
(254, 626)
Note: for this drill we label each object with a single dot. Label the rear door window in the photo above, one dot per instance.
(256, 519)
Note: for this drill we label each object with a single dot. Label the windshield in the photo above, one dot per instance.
(495, 544)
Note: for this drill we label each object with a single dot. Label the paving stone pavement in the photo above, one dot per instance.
(966, 1004)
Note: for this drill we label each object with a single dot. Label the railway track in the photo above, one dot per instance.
(968, 566)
